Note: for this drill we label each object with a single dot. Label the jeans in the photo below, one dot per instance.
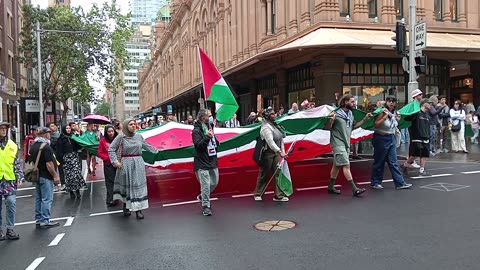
(442, 134)
(385, 149)
(10, 203)
(404, 135)
(208, 182)
(433, 138)
(43, 200)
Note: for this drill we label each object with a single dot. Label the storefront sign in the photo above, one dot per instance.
(33, 106)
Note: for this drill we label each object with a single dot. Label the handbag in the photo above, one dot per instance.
(457, 127)
(260, 147)
(30, 170)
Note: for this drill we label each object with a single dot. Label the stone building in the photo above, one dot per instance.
(276, 52)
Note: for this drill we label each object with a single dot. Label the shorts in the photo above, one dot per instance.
(418, 149)
(341, 156)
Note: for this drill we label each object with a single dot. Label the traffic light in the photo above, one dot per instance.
(400, 38)
(421, 64)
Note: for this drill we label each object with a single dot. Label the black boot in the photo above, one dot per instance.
(72, 195)
(139, 214)
(126, 212)
(77, 193)
(11, 235)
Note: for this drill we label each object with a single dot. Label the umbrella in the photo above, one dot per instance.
(96, 119)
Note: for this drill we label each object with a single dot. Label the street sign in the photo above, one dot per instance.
(420, 36)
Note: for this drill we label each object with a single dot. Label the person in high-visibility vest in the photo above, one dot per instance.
(11, 176)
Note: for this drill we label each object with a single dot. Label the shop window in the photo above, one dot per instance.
(438, 9)
(300, 84)
(399, 8)
(372, 8)
(344, 6)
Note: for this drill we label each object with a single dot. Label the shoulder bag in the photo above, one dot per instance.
(30, 169)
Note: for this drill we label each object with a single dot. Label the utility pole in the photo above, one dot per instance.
(412, 83)
(39, 70)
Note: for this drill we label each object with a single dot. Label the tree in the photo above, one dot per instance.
(95, 48)
(102, 108)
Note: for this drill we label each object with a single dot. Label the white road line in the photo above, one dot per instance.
(187, 202)
(268, 192)
(24, 196)
(95, 181)
(33, 222)
(35, 263)
(313, 188)
(106, 213)
(56, 240)
(368, 183)
(69, 222)
(472, 172)
(26, 188)
(242, 195)
(435, 175)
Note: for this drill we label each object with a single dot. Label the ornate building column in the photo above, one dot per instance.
(462, 13)
(263, 19)
(388, 12)
(304, 14)
(245, 29)
(280, 14)
(221, 38)
(447, 16)
(269, 17)
(360, 11)
(292, 18)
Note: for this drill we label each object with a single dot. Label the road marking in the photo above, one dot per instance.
(35, 263)
(242, 195)
(186, 202)
(105, 213)
(95, 181)
(69, 222)
(26, 188)
(56, 240)
(443, 168)
(362, 160)
(368, 182)
(435, 175)
(33, 222)
(313, 188)
(24, 196)
(472, 172)
(444, 187)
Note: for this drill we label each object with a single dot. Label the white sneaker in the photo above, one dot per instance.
(376, 186)
(257, 198)
(283, 199)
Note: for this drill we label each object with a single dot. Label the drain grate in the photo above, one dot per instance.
(275, 225)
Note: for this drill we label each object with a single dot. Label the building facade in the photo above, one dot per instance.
(276, 52)
(56, 2)
(145, 11)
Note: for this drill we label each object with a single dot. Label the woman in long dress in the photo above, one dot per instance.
(108, 170)
(130, 180)
(67, 153)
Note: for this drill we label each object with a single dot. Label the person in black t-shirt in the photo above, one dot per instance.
(420, 137)
(47, 170)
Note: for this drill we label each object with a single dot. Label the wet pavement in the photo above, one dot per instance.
(432, 226)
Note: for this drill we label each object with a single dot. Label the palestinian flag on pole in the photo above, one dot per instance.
(284, 179)
(216, 89)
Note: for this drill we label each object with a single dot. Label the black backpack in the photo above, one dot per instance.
(260, 147)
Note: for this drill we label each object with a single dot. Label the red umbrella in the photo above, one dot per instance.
(96, 119)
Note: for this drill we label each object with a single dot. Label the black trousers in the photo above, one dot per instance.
(109, 172)
(61, 174)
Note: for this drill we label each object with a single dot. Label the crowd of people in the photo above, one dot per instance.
(63, 163)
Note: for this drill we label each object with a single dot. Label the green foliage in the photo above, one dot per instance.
(96, 49)
(102, 108)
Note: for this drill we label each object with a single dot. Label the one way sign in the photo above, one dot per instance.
(420, 36)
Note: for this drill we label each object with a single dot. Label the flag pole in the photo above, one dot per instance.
(203, 81)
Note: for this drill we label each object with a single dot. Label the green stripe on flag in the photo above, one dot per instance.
(284, 179)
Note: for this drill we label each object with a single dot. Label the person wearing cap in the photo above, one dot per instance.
(417, 96)
(11, 176)
(47, 170)
(419, 137)
(170, 117)
(28, 142)
(341, 124)
(275, 149)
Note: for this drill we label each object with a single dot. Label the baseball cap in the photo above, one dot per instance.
(34, 127)
(416, 92)
(43, 130)
(423, 101)
(4, 124)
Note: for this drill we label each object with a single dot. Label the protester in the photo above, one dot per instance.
(67, 153)
(469, 107)
(189, 120)
(275, 149)
(29, 141)
(130, 179)
(232, 123)
(341, 125)
(385, 146)
(47, 169)
(419, 138)
(150, 123)
(443, 120)
(280, 112)
(118, 126)
(293, 109)
(53, 143)
(205, 157)
(108, 170)
(417, 96)
(252, 118)
(433, 113)
(11, 177)
(91, 135)
(457, 116)
(475, 127)
(170, 117)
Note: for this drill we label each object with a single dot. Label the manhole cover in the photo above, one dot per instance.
(275, 225)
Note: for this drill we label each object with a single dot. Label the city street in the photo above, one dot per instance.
(432, 226)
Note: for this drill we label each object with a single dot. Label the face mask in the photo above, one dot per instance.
(210, 120)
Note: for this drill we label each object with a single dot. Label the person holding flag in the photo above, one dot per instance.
(275, 149)
(341, 124)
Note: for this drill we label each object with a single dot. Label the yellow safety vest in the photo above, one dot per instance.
(7, 170)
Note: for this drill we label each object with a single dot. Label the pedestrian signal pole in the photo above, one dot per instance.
(412, 83)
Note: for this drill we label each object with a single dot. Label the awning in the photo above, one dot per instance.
(375, 39)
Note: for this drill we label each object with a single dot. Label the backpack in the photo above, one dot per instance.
(260, 147)
(30, 169)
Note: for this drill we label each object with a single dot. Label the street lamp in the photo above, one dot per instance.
(39, 67)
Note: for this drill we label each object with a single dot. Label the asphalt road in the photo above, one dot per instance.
(432, 226)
